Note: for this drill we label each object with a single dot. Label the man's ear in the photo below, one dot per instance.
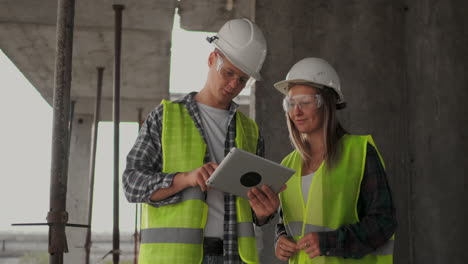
(211, 59)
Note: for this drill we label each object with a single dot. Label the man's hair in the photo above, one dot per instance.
(332, 133)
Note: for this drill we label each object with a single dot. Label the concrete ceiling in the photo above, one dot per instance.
(28, 38)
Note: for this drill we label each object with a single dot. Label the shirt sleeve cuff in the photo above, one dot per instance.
(328, 244)
(255, 220)
(278, 235)
(167, 182)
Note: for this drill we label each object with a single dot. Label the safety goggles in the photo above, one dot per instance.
(227, 74)
(303, 101)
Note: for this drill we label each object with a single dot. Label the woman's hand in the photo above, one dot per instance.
(310, 244)
(285, 248)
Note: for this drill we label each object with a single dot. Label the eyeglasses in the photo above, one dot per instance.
(227, 74)
(303, 101)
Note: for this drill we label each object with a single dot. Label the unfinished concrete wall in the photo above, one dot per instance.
(437, 61)
(401, 67)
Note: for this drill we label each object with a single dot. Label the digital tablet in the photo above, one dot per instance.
(241, 170)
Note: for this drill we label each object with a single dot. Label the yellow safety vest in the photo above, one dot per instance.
(332, 201)
(174, 233)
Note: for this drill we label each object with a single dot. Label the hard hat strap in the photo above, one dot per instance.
(219, 62)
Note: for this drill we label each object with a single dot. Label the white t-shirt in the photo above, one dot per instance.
(215, 124)
(306, 181)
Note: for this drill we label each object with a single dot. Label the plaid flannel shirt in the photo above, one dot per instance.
(377, 220)
(143, 175)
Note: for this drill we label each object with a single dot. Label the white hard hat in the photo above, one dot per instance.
(243, 43)
(312, 70)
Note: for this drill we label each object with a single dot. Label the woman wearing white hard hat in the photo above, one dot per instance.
(338, 206)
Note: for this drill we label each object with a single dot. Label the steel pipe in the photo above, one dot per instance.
(92, 165)
(57, 216)
(116, 113)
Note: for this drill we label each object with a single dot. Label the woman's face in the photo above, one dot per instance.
(304, 106)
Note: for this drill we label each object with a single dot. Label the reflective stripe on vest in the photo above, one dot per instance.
(331, 201)
(295, 228)
(186, 235)
(245, 230)
(174, 233)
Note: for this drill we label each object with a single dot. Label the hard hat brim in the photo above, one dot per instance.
(282, 86)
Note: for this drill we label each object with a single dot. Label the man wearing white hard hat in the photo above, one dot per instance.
(338, 206)
(179, 147)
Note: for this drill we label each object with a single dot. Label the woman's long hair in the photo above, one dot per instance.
(332, 133)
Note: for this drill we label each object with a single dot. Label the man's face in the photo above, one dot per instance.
(228, 80)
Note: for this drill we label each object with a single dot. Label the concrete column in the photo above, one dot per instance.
(78, 184)
(437, 55)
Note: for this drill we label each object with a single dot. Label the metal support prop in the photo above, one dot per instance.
(136, 235)
(70, 124)
(116, 109)
(92, 165)
(57, 217)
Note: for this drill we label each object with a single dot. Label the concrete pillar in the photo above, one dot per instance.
(78, 184)
(437, 55)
